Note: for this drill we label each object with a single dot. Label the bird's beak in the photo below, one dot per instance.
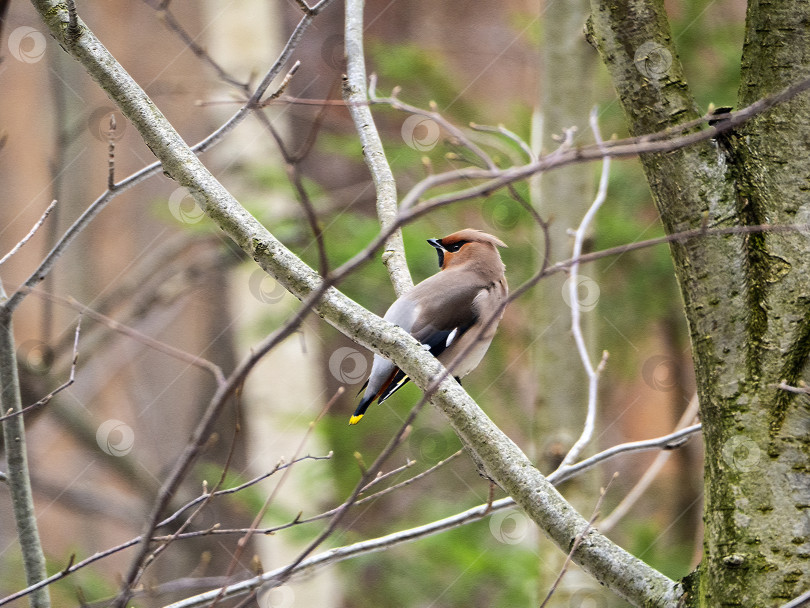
(439, 249)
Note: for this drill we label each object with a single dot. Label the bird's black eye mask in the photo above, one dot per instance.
(441, 248)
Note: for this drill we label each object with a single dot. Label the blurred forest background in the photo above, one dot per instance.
(154, 264)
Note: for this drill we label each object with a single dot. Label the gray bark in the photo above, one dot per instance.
(18, 478)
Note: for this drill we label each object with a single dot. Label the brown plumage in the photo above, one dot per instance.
(448, 312)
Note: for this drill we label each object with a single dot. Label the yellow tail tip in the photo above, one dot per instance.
(355, 419)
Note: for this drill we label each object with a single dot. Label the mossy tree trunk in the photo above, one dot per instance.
(746, 297)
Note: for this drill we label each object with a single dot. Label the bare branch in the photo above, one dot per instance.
(665, 141)
(157, 345)
(614, 567)
(511, 135)
(442, 525)
(71, 379)
(31, 233)
(354, 92)
(100, 203)
(279, 467)
(666, 442)
(797, 602)
(240, 547)
(74, 566)
(574, 303)
(333, 556)
(802, 389)
(200, 435)
(165, 15)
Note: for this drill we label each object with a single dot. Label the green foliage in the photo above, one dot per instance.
(652, 544)
(476, 570)
(86, 584)
(421, 73)
(709, 45)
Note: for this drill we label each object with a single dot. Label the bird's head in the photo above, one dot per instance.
(472, 249)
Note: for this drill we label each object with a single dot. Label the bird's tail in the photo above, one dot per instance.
(395, 381)
(361, 408)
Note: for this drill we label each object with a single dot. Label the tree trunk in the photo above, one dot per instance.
(564, 196)
(745, 296)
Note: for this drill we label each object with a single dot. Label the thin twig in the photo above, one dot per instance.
(577, 542)
(802, 600)
(279, 467)
(71, 378)
(666, 442)
(31, 233)
(139, 176)
(291, 164)
(383, 476)
(800, 390)
(332, 556)
(243, 542)
(634, 146)
(74, 566)
(165, 15)
(203, 431)
(652, 471)
(511, 135)
(573, 301)
(367, 476)
(438, 526)
(164, 545)
(166, 349)
(111, 154)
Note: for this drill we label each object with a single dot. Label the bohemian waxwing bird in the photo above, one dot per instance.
(449, 313)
